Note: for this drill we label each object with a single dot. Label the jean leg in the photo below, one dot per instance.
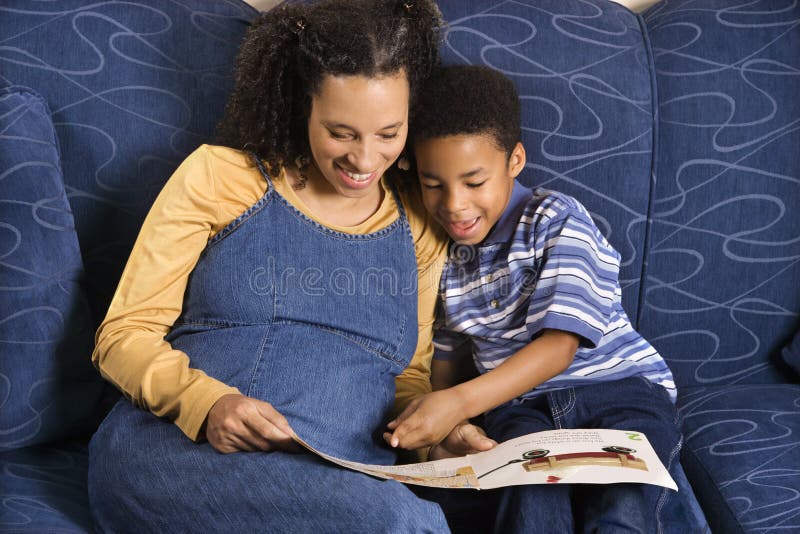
(639, 405)
(534, 507)
(146, 476)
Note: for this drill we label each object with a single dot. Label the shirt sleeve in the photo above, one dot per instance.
(430, 244)
(130, 348)
(578, 272)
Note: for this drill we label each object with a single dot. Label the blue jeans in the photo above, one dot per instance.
(627, 404)
(193, 488)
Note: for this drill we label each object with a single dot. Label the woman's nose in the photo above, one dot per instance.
(363, 157)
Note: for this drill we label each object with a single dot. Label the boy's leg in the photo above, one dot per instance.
(535, 507)
(639, 405)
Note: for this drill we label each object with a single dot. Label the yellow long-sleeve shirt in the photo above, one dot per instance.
(212, 187)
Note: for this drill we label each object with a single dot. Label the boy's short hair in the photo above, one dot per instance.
(468, 100)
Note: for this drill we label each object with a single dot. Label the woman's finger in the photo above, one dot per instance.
(276, 419)
(273, 426)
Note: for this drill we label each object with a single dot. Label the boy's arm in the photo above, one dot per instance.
(571, 305)
(431, 418)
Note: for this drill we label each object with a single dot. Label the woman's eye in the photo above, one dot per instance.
(389, 137)
(431, 186)
(339, 135)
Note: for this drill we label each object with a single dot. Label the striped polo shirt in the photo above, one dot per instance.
(544, 265)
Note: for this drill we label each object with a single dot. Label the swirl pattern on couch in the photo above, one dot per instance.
(721, 292)
(96, 84)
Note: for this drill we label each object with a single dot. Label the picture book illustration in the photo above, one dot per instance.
(575, 456)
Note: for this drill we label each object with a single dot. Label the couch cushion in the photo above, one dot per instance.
(582, 71)
(721, 289)
(134, 87)
(791, 353)
(48, 387)
(742, 455)
(43, 489)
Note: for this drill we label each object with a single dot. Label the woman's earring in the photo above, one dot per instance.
(403, 164)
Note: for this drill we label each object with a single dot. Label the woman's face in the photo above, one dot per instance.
(357, 129)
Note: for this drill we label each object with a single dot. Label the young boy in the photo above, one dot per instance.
(531, 294)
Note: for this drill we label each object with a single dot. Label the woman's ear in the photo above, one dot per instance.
(516, 161)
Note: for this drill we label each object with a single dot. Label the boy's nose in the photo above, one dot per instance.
(453, 202)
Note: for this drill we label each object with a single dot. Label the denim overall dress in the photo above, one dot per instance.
(314, 321)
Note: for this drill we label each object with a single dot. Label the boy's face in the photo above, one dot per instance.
(466, 183)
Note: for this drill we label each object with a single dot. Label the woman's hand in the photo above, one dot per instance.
(465, 438)
(239, 423)
(426, 420)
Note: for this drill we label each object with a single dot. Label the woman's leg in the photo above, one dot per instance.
(146, 476)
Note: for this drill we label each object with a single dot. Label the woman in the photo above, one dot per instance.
(279, 285)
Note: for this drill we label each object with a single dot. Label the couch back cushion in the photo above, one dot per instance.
(48, 387)
(722, 291)
(133, 88)
(582, 72)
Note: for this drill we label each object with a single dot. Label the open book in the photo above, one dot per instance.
(553, 457)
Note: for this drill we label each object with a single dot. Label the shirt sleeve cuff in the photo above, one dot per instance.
(589, 335)
(193, 422)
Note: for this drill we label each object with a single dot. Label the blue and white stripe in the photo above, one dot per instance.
(545, 265)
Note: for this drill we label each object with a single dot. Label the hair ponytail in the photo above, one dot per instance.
(265, 86)
(424, 35)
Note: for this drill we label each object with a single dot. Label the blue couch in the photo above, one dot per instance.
(679, 128)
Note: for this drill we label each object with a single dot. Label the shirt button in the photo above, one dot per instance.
(490, 277)
(494, 303)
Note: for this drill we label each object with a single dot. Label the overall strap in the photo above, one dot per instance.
(263, 170)
(398, 201)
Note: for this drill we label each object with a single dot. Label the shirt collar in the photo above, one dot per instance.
(503, 230)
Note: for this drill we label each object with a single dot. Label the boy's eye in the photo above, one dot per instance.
(389, 136)
(476, 185)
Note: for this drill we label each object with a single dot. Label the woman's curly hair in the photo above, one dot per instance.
(288, 51)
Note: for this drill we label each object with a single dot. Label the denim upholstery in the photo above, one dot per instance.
(791, 353)
(679, 129)
(133, 88)
(44, 489)
(48, 387)
(721, 292)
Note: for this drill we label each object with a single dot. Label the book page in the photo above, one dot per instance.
(586, 456)
(455, 473)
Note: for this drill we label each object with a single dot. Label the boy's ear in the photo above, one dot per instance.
(516, 161)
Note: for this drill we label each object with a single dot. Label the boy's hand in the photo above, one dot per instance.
(465, 438)
(426, 421)
(239, 423)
